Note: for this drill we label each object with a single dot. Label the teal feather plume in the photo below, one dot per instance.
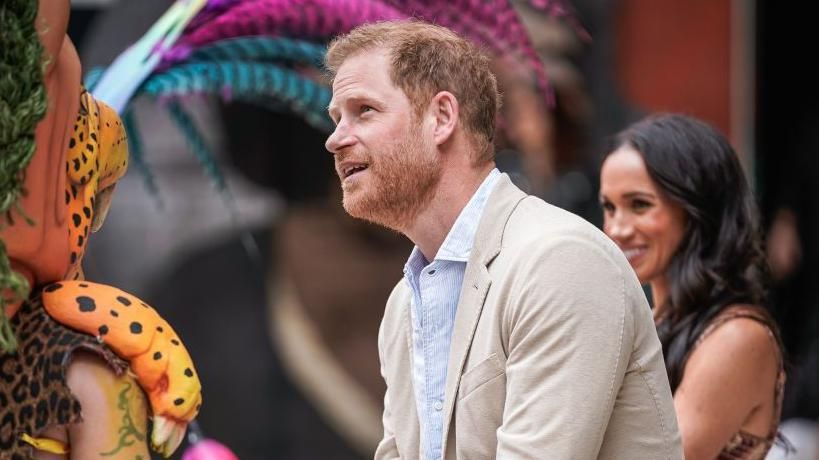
(136, 155)
(186, 125)
(262, 49)
(245, 81)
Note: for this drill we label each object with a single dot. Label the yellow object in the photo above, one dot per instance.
(97, 159)
(46, 444)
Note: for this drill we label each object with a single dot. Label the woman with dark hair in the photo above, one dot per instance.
(676, 201)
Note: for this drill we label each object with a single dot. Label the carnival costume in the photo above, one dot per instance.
(62, 153)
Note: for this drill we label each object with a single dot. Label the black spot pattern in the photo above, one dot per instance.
(77, 220)
(157, 356)
(136, 328)
(178, 401)
(53, 287)
(86, 304)
(114, 313)
(124, 301)
(188, 372)
(103, 329)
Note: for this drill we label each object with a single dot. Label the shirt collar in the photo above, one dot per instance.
(457, 245)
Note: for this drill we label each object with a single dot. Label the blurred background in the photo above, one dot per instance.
(279, 302)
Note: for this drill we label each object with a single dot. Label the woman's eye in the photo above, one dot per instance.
(608, 207)
(640, 205)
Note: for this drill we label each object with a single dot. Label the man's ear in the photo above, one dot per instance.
(446, 112)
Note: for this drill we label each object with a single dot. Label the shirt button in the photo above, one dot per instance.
(438, 405)
(431, 272)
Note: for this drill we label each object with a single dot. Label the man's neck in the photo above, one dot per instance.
(452, 194)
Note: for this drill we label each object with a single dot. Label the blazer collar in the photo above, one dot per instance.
(488, 239)
(502, 202)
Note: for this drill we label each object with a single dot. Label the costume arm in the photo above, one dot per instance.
(114, 409)
(52, 24)
(569, 343)
(135, 332)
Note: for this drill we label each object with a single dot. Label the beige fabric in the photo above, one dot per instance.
(554, 352)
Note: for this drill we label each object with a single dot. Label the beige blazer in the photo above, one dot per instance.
(554, 352)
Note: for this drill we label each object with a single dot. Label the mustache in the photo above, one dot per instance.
(351, 156)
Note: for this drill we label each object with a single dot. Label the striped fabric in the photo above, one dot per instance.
(436, 288)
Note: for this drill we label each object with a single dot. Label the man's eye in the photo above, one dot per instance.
(366, 108)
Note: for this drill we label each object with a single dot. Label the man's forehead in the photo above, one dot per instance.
(361, 76)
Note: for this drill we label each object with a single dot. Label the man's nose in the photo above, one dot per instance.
(339, 139)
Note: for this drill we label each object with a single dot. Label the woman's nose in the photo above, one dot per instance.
(618, 227)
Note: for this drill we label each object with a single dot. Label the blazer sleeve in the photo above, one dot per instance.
(569, 341)
(387, 449)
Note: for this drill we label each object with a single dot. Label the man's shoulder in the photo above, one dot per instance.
(555, 249)
(536, 226)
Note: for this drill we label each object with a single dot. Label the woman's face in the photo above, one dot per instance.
(638, 215)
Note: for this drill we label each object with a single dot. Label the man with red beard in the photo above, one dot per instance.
(518, 330)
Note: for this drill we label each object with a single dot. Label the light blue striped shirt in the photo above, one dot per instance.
(436, 288)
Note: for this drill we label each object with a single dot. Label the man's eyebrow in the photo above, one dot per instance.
(355, 98)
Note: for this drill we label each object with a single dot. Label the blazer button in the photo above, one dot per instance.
(438, 405)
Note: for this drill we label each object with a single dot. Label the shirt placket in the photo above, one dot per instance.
(431, 332)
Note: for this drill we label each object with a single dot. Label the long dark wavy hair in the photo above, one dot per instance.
(720, 260)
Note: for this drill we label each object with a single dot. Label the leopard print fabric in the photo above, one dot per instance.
(33, 391)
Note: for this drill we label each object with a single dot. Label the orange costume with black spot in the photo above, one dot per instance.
(81, 151)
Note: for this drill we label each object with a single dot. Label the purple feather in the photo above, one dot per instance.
(492, 23)
(212, 9)
(308, 19)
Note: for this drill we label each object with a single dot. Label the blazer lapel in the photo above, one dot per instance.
(499, 207)
(473, 294)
